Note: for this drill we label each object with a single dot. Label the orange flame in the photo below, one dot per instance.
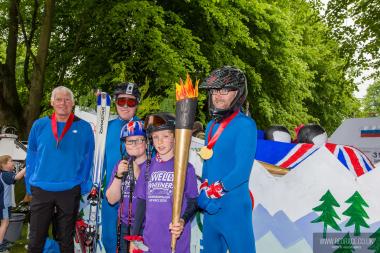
(186, 90)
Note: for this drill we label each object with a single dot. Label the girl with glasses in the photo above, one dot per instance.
(123, 179)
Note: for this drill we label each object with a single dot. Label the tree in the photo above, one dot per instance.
(11, 108)
(292, 64)
(345, 245)
(331, 87)
(356, 25)
(375, 246)
(371, 101)
(328, 214)
(122, 41)
(356, 212)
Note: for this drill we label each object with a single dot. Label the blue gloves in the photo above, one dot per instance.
(211, 206)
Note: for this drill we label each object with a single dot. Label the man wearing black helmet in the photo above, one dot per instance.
(228, 158)
(127, 97)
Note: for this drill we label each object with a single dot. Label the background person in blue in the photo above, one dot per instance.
(127, 97)
(58, 164)
(7, 178)
(228, 159)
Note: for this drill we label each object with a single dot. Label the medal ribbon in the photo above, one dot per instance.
(54, 127)
(223, 125)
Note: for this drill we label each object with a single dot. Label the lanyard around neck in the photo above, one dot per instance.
(54, 127)
(212, 140)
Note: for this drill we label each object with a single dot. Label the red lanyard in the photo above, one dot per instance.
(223, 125)
(68, 124)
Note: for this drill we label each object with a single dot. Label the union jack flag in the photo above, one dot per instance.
(289, 155)
(135, 126)
(352, 158)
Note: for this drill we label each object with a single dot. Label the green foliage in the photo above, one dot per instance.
(296, 72)
(371, 102)
(285, 49)
(2, 51)
(355, 23)
(149, 104)
(329, 87)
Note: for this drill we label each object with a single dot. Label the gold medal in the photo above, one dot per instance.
(205, 153)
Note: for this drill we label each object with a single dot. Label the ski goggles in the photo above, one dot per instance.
(154, 120)
(129, 102)
(158, 122)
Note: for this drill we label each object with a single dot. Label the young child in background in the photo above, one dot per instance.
(154, 190)
(122, 182)
(7, 178)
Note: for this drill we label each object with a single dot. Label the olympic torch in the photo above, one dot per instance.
(186, 105)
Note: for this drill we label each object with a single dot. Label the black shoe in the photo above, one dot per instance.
(3, 247)
(7, 243)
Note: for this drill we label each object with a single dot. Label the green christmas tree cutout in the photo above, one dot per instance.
(345, 245)
(328, 214)
(356, 212)
(375, 246)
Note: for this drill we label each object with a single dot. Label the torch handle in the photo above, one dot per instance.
(181, 158)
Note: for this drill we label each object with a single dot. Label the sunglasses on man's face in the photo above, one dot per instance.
(222, 91)
(130, 102)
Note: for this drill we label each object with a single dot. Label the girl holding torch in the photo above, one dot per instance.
(154, 191)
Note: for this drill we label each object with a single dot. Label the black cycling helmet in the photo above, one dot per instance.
(127, 88)
(159, 121)
(226, 77)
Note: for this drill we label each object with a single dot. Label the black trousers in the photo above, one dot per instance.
(66, 204)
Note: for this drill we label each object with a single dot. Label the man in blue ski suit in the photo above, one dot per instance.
(228, 158)
(127, 97)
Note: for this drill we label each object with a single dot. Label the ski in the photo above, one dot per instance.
(87, 229)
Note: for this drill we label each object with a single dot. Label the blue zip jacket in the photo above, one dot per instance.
(59, 168)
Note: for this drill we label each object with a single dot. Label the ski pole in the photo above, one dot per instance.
(131, 189)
